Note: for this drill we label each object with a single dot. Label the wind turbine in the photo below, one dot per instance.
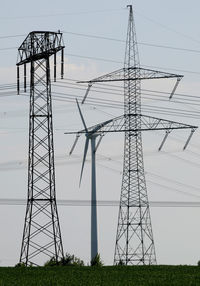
(90, 136)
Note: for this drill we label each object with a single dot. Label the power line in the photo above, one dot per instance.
(172, 189)
(115, 61)
(119, 62)
(62, 14)
(105, 102)
(145, 66)
(12, 36)
(109, 39)
(150, 96)
(168, 28)
(174, 181)
(105, 203)
(107, 90)
(118, 104)
(63, 97)
(158, 97)
(119, 90)
(139, 43)
(161, 185)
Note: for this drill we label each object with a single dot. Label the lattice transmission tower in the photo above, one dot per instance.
(134, 239)
(41, 235)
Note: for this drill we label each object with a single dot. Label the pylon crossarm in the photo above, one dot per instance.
(148, 123)
(39, 44)
(142, 73)
(118, 124)
(132, 73)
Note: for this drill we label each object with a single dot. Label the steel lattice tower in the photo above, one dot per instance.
(42, 235)
(134, 239)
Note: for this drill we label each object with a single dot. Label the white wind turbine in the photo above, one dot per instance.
(90, 136)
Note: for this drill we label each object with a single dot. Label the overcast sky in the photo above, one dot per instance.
(168, 36)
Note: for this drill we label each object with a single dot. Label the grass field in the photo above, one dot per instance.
(107, 275)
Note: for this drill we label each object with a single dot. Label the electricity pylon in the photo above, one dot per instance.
(41, 235)
(118, 124)
(134, 239)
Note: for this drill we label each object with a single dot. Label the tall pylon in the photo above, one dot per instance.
(41, 236)
(134, 239)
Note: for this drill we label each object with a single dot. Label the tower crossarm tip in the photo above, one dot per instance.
(130, 7)
(154, 123)
(38, 45)
(153, 74)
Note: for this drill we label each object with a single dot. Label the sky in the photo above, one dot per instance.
(94, 34)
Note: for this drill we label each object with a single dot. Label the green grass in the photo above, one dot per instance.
(104, 276)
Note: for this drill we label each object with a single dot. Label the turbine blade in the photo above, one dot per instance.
(81, 115)
(84, 157)
(98, 143)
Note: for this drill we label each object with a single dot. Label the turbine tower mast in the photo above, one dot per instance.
(41, 235)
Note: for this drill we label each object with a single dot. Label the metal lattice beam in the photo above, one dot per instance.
(147, 123)
(141, 73)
